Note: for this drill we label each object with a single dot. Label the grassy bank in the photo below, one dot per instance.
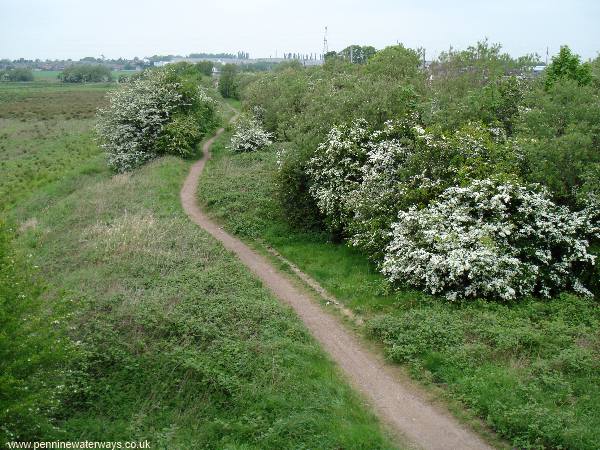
(166, 337)
(529, 369)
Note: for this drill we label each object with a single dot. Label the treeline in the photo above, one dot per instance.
(394, 157)
(86, 74)
(16, 75)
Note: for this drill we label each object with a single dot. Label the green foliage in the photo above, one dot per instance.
(357, 54)
(86, 74)
(33, 352)
(396, 62)
(180, 136)
(560, 134)
(302, 105)
(292, 191)
(16, 75)
(228, 81)
(476, 84)
(205, 67)
(568, 66)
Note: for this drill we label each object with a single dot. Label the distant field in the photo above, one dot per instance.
(52, 75)
(45, 132)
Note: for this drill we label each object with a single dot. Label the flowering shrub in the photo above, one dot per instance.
(336, 172)
(361, 179)
(153, 114)
(490, 239)
(376, 200)
(249, 136)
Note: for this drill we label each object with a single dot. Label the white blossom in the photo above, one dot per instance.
(490, 239)
(249, 136)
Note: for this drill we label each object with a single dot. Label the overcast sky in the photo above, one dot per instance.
(77, 28)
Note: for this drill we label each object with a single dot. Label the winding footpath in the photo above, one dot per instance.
(395, 401)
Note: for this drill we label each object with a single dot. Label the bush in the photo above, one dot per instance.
(86, 74)
(249, 136)
(228, 81)
(336, 172)
(361, 179)
(561, 137)
(153, 114)
(180, 136)
(490, 239)
(205, 67)
(16, 75)
(293, 183)
(567, 65)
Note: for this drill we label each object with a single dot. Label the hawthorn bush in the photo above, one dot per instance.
(491, 239)
(249, 136)
(156, 113)
(361, 178)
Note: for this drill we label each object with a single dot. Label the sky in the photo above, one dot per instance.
(62, 29)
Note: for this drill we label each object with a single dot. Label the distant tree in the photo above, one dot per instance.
(358, 54)
(16, 75)
(228, 81)
(395, 61)
(330, 55)
(567, 65)
(596, 68)
(85, 74)
(205, 67)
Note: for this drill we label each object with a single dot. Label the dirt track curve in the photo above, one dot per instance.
(395, 401)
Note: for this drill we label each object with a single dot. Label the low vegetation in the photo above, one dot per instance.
(46, 133)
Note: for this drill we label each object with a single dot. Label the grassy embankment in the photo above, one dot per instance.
(530, 369)
(153, 331)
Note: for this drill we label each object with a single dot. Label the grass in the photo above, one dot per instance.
(166, 337)
(45, 133)
(531, 370)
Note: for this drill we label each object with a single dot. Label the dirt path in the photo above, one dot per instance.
(396, 402)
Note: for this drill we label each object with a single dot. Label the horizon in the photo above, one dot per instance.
(267, 28)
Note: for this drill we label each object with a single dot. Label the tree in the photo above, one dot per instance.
(228, 81)
(358, 54)
(567, 65)
(17, 75)
(205, 67)
(396, 62)
(85, 74)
